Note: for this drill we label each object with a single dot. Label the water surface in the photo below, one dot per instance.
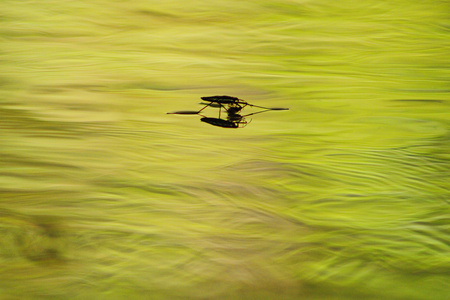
(104, 196)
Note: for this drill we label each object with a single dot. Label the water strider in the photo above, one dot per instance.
(232, 106)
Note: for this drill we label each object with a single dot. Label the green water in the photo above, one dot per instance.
(344, 196)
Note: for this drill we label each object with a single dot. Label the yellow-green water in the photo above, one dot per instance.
(344, 196)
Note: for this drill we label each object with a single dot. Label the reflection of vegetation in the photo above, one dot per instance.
(103, 196)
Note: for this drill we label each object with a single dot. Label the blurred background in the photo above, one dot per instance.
(344, 196)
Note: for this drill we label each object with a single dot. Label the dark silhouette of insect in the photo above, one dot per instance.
(232, 107)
